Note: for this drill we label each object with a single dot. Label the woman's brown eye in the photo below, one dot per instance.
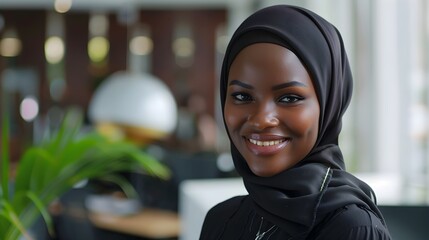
(242, 97)
(290, 99)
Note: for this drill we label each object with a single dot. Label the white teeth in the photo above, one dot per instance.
(265, 143)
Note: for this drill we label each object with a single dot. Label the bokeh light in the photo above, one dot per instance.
(62, 6)
(29, 109)
(54, 49)
(10, 47)
(183, 47)
(98, 48)
(141, 45)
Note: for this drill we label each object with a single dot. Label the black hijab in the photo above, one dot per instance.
(299, 198)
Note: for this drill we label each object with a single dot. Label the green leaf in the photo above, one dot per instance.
(9, 214)
(33, 168)
(69, 129)
(46, 171)
(41, 207)
(123, 183)
(152, 165)
(78, 149)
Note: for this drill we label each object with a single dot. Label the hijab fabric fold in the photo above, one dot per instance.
(299, 198)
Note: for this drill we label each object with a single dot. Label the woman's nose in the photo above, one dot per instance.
(264, 116)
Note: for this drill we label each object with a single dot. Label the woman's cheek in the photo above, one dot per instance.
(304, 122)
(232, 121)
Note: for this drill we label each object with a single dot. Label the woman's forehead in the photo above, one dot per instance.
(270, 62)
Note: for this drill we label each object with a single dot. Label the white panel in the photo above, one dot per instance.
(387, 85)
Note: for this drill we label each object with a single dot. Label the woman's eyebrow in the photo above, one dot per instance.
(241, 84)
(289, 84)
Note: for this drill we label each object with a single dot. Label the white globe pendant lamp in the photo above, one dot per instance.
(133, 105)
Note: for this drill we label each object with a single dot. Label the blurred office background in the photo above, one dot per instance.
(55, 54)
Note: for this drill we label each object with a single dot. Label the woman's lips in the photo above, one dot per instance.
(266, 146)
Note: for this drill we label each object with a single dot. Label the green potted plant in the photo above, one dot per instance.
(48, 170)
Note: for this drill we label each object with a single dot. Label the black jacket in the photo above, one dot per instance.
(348, 223)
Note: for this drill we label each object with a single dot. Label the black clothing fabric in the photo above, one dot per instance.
(299, 199)
(238, 216)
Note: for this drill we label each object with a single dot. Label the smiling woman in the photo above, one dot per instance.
(285, 85)
(271, 109)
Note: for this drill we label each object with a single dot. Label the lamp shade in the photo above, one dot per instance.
(139, 103)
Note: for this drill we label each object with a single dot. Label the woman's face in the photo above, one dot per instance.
(271, 109)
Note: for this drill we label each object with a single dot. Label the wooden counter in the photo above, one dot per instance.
(149, 223)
